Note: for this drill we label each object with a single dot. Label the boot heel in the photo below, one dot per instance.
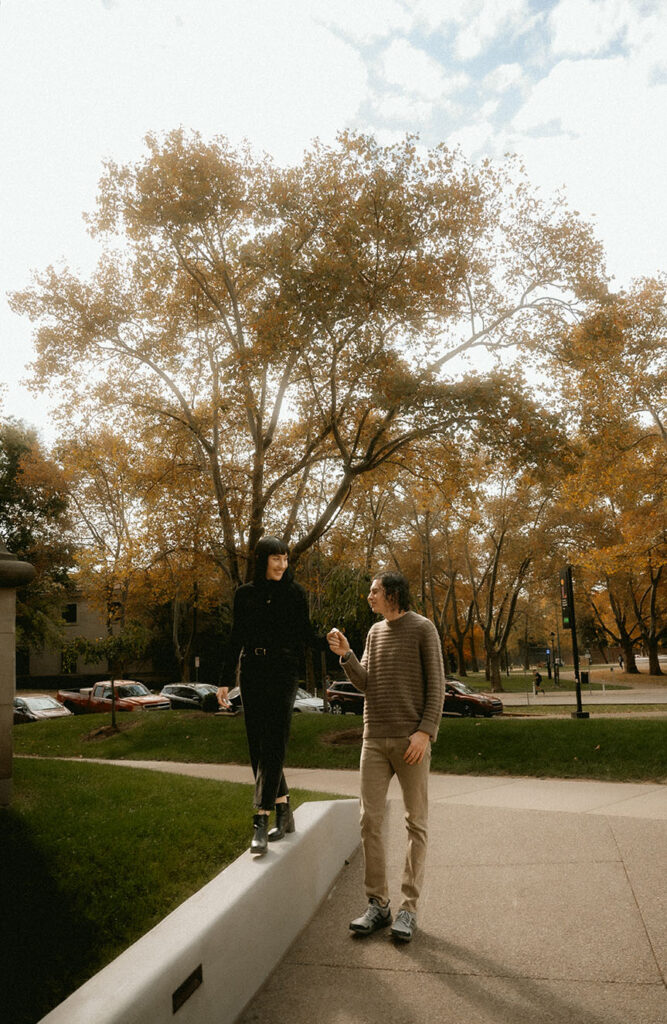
(284, 822)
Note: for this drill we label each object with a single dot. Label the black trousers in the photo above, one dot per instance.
(268, 689)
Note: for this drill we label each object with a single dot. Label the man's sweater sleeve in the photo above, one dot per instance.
(355, 670)
(434, 673)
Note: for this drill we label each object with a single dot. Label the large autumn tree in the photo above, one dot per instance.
(613, 370)
(287, 321)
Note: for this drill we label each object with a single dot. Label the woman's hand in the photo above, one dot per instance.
(338, 642)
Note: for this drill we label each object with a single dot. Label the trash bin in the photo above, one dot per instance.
(583, 676)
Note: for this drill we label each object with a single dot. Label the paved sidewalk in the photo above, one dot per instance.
(589, 698)
(545, 903)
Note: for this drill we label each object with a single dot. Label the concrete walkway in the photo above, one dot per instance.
(545, 903)
(589, 698)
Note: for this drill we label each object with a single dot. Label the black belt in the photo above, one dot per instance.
(267, 652)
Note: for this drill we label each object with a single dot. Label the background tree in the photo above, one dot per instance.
(289, 321)
(618, 501)
(35, 526)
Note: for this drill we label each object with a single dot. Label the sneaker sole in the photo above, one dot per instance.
(369, 931)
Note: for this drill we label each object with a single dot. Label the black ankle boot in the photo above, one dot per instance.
(284, 822)
(260, 823)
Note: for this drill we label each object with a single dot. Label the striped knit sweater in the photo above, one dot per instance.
(402, 676)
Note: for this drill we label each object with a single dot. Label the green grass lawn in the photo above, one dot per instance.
(93, 856)
(624, 749)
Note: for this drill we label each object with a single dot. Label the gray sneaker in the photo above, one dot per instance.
(376, 917)
(404, 926)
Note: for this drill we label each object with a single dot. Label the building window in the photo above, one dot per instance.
(69, 612)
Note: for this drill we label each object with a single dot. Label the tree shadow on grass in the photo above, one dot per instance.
(47, 943)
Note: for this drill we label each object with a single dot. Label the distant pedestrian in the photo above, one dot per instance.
(620, 661)
(537, 682)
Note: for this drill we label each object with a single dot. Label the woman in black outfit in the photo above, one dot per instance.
(270, 629)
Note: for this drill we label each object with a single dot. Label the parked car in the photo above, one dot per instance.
(303, 702)
(37, 706)
(191, 696)
(461, 700)
(130, 696)
(345, 697)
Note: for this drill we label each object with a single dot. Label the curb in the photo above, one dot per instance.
(206, 960)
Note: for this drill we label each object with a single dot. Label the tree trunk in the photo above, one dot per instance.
(460, 656)
(654, 659)
(474, 663)
(494, 663)
(526, 653)
(629, 663)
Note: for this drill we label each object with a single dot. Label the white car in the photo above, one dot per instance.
(303, 702)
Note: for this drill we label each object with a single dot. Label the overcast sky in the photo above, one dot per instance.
(577, 87)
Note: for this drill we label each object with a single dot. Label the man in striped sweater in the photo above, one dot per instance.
(402, 676)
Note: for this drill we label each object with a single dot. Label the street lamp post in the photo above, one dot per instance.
(569, 622)
(13, 574)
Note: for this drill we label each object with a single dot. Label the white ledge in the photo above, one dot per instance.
(213, 953)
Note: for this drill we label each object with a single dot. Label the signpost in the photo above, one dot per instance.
(567, 610)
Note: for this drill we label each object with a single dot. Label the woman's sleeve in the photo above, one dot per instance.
(235, 643)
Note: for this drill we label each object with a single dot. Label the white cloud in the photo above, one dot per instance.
(473, 139)
(435, 14)
(647, 39)
(504, 77)
(364, 21)
(403, 108)
(494, 18)
(488, 109)
(587, 27)
(610, 151)
(412, 69)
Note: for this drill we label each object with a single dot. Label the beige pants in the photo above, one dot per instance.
(380, 760)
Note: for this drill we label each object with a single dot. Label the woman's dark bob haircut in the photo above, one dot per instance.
(267, 546)
(396, 588)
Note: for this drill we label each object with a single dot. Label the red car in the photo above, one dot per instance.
(344, 697)
(461, 700)
(130, 696)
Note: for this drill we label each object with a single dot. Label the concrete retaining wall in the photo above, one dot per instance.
(204, 962)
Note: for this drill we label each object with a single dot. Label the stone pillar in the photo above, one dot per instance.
(13, 574)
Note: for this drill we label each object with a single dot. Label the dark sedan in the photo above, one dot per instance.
(191, 696)
(461, 700)
(345, 697)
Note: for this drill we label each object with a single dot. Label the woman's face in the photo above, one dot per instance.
(275, 567)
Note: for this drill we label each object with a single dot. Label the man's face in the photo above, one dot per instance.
(377, 599)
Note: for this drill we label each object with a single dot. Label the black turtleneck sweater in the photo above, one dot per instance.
(273, 616)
